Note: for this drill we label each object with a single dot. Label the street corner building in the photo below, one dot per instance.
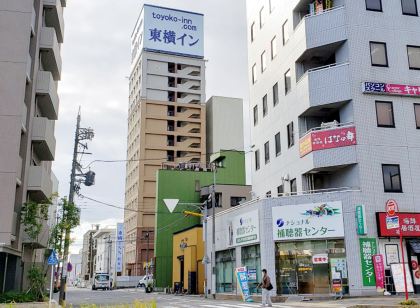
(31, 33)
(335, 128)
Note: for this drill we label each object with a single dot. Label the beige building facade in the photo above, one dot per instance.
(31, 33)
(166, 124)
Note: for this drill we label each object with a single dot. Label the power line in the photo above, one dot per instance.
(126, 209)
(163, 159)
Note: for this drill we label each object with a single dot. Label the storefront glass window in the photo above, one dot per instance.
(298, 273)
(225, 271)
(252, 260)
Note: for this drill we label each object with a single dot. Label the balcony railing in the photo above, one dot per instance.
(187, 166)
(325, 11)
(335, 135)
(319, 191)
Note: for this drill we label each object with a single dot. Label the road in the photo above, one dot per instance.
(78, 297)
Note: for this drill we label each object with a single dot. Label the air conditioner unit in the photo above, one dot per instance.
(330, 124)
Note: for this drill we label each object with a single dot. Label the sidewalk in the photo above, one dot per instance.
(356, 302)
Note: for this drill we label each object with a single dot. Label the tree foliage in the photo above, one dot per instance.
(33, 216)
(68, 219)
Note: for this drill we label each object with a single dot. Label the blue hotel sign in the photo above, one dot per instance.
(168, 31)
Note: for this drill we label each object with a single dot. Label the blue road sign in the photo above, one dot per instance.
(52, 259)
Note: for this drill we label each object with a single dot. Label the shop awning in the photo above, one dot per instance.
(415, 245)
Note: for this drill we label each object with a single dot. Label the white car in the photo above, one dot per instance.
(145, 280)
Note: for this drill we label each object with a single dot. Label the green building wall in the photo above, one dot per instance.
(181, 184)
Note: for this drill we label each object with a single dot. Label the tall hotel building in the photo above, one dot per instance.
(166, 117)
(335, 105)
(31, 33)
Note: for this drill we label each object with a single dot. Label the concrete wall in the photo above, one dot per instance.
(225, 127)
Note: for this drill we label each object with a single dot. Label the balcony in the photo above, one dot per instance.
(43, 138)
(54, 17)
(39, 183)
(326, 28)
(326, 147)
(47, 96)
(51, 57)
(189, 99)
(325, 85)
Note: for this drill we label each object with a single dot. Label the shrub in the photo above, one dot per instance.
(17, 297)
(409, 302)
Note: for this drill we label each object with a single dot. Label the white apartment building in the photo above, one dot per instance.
(31, 34)
(105, 250)
(335, 103)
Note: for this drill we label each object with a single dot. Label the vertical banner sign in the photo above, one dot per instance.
(368, 248)
(119, 248)
(242, 278)
(361, 220)
(378, 263)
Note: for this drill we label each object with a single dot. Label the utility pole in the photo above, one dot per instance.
(213, 225)
(80, 135)
(147, 253)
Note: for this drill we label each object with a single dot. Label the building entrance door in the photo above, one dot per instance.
(181, 271)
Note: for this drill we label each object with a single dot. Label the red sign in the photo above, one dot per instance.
(409, 225)
(391, 207)
(390, 89)
(378, 263)
(401, 89)
(328, 139)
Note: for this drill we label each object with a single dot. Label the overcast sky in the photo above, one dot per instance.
(96, 63)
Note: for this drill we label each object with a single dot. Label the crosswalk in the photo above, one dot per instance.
(209, 304)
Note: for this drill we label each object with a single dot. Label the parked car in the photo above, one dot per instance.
(145, 281)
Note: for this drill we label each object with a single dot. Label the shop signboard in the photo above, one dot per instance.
(368, 249)
(308, 221)
(305, 145)
(390, 89)
(361, 219)
(392, 222)
(252, 274)
(337, 285)
(244, 229)
(242, 279)
(392, 254)
(327, 139)
(398, 277)
(416, 269)
(391, 207)
(321, 258)
(338, 265)
(410, 225)
(378, 263)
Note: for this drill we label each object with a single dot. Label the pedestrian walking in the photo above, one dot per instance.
(266, 287)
